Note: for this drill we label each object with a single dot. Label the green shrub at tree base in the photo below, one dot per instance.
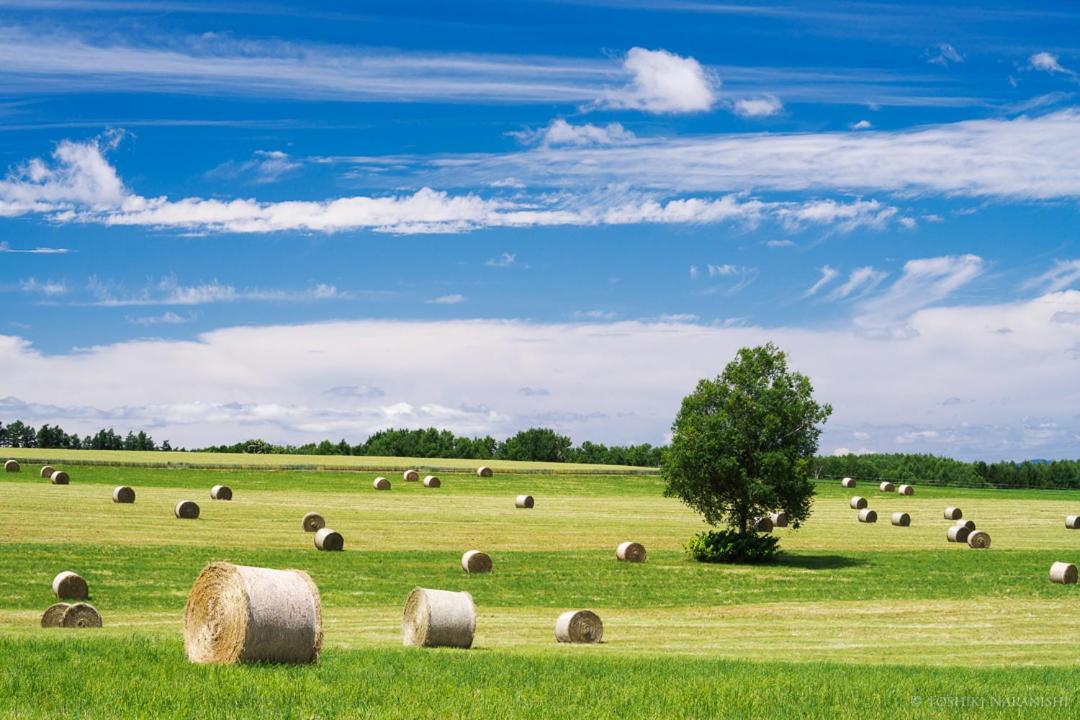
(728, 546)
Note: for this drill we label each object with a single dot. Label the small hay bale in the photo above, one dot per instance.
(11, 466)
(969, 524)
(59, 478)
(906, 490)
(579, 626)
(186, 510)
(524, 501)
(221, 492)
(957, 533)
(953, 513)
(123, 494)
(1062, 573)
(70, 586)
(410, 476)
(313, 521)
(979, 539)
(779, 519)
(848, 483)
(438, 618)
(630, 552)
(887, 487)
(381, 483)
(475, 561)
(81, 615)
(901, 519)
(866, 515)
(858, 503)
(432, 482)
(46, 472)
(54, 614)
(484, 471)
(1073, 522)
(762, 524)
(237, 613)
(329, 540)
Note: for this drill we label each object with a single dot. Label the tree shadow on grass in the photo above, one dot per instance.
(817, 562)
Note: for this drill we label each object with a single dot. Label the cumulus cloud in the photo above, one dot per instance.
(663, 82)
(764, 106)
(560, 132)
(861, 125)
(1048, 62)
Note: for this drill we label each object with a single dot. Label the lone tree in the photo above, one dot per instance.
(742, 443)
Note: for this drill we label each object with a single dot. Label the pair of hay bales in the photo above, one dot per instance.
(430, 481)
(123, 494)
(48, 472)
(1063, 573)
(964, 532)
(77, 615)
(866, 515)
(325, 538)
(221, 492)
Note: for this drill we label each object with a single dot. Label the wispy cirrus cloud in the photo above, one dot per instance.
(5, 248)
(1064, 274)
(859, 282)
(170, 291)
(828, 274)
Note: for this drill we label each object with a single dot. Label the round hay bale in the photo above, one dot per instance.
(779, 519)
(59, 478)
(186, 510)
(484, 471)
(81, 615)
(432, 482)
(70, 586)
(887, 487)
(329, 540)
(969, 524)
(1062, 573)
(906, 490)
(381, 483)
(438, 618)
(630, 552)
(123, 494)
(979, 539)
(953, 513)
(524, 501)
(53, 615)
(958, 533)
(579, 626)
(867, 515)
(858, 503)
(221, 492)
(901, 519)
(410, 476)
(763, 524)
(46, 472)
(475, 561)
(11, 466)
(848, 482)
(313, 521)
(1073, 522)
(237, 613)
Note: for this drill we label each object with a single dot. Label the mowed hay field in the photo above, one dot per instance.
(855, 621)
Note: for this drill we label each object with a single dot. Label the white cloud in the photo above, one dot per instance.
(452, 299)
(779, 243)
(166, 318)
(266, 166)
(679, 318)
(1048, 62)
(861, 125)
(5, 248)
(48, 288)
(923, 283)
(504, 260)
(944, 54)
(764, 106)
(559, 132)
(742, 276)
(169, 291)
(594, 315)
(828, 274)
(663, 82)
(861, 280)
(695, 272)
(1065, 273)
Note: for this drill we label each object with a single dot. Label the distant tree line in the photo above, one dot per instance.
(21, 435)
(946, 471)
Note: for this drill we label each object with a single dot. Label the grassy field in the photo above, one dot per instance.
(854, 621)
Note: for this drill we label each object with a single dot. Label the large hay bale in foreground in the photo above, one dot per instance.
(380, 483)
(887, 487)
(906, 490)
(312, 522)
(59, 478)
(762, 524)
(81, 615)
(12, 466)
(858, 503)
(221, 492)
(237, 613)
(524, 501)
(953, 513)
(969, 524)
(432, 482)
(630, 552)
(579, 626)
(957, 533)
(1062, 573)
(186, 510)
(70, 586)
(848, 482)
(475, 561)
(438, 618)
(329, 540)
(779, 519)
(54, 615)
(901, 519)
(123, 494)
(1072, 522)
(867, 515)
(484, 471)
(410, 476)
(979, 539)
(46, 472)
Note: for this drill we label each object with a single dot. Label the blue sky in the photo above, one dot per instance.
(490, 215)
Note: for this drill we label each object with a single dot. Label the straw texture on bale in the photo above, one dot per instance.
(81, 615)
(410, 476)
(484, 471)
(579, 626)
(186, 510)
(969, 524)
(906, 490)
(867, 516)
(524, 501)
(221, 492)
(380, 483)
(432, 482)
(901, 519)
(47, 471)
(237, 613)
(887, 487)
(957, 533)
(438, 618)
(763, 524)
(1073, 522)
(953, 513)
(779, 519)
(11, 466)
(630, 552)
(53, 615)
(1060, 572)
(329, 540)
(858, 503)
(59, 478)
(475, 561)
(313, 521)
(123, 494)
(848, 482)
(979, 539)
(70, 586)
